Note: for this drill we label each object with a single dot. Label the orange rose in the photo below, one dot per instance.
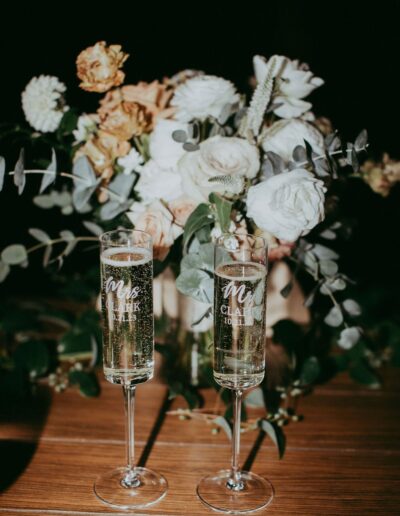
(122, 118)
(98, 67)
(103, 149)
(154, 97)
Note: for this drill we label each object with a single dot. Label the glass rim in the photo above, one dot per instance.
(220, 240)
(108, 234)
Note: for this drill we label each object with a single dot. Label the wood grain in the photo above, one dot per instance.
(343, 459)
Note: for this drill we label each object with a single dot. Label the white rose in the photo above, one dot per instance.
(287, 205)
(163, 148)
(295, 81)
(156, 220)
(232, 158)
(203, 96)
(283, 136)
(158, 183)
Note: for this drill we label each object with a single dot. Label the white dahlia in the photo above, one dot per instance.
(43, 103)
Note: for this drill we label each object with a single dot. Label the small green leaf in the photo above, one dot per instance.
(194, 283)
(40, 235)
(255, 398)
(92, 227)
(199, 218)
(4, 270)
(224, 209)
(223, 423)
(310, 371)
(68, 123)
(14, 254)
(361, 373)
(87, 381)
(2, 171)
(50, 176)
(275, 433)
(19, 172)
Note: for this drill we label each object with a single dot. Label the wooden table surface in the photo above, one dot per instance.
(344, 458)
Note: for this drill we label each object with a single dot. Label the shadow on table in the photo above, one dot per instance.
(21, 426)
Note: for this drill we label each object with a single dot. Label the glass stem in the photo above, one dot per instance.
(131, 478)
(235, 483)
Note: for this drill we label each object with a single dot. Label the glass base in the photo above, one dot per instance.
(135, 488)
(251, 494)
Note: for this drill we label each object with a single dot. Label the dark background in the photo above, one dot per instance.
(354, 48)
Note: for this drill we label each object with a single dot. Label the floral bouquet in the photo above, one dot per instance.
(186, 159)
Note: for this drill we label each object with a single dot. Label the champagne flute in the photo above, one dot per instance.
(128, 355)
(240, 272)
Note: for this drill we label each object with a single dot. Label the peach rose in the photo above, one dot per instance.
(277, 249)
(381, 176)
(122, 118)
(154, 97)
(156, 220)
(181, 209)
(103, 149)
(98, 67)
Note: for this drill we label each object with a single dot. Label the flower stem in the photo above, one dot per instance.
(75, 178)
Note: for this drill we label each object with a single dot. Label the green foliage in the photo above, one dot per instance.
(275, 433)
(310, 371)
(223, 208)
(86, 381)
(199, 218)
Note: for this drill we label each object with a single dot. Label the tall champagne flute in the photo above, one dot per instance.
(240, 272)
(126, 258)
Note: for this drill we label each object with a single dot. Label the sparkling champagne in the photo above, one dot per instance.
(239, 323)
(127, 306)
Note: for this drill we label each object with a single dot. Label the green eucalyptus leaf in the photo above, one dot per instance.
(334, 317)
(4, 270)
(199, 218)
(361, 373)
(14, 254)
(191, 261)
(2, 172)
(275, 433)
(224, 209)
(309, 371)
(43, 201)
(223, 423)
(92, 227)
(192, 283)
(255, 398)
(49, 178)
(206, 255)
(328, 267)
(352, 307)
(179, 136)
(87, 382)
(40, 235)
(19, 172)
(85, 175)
(68, 123)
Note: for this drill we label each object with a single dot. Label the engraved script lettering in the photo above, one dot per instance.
(240, 292)
(120, 289)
